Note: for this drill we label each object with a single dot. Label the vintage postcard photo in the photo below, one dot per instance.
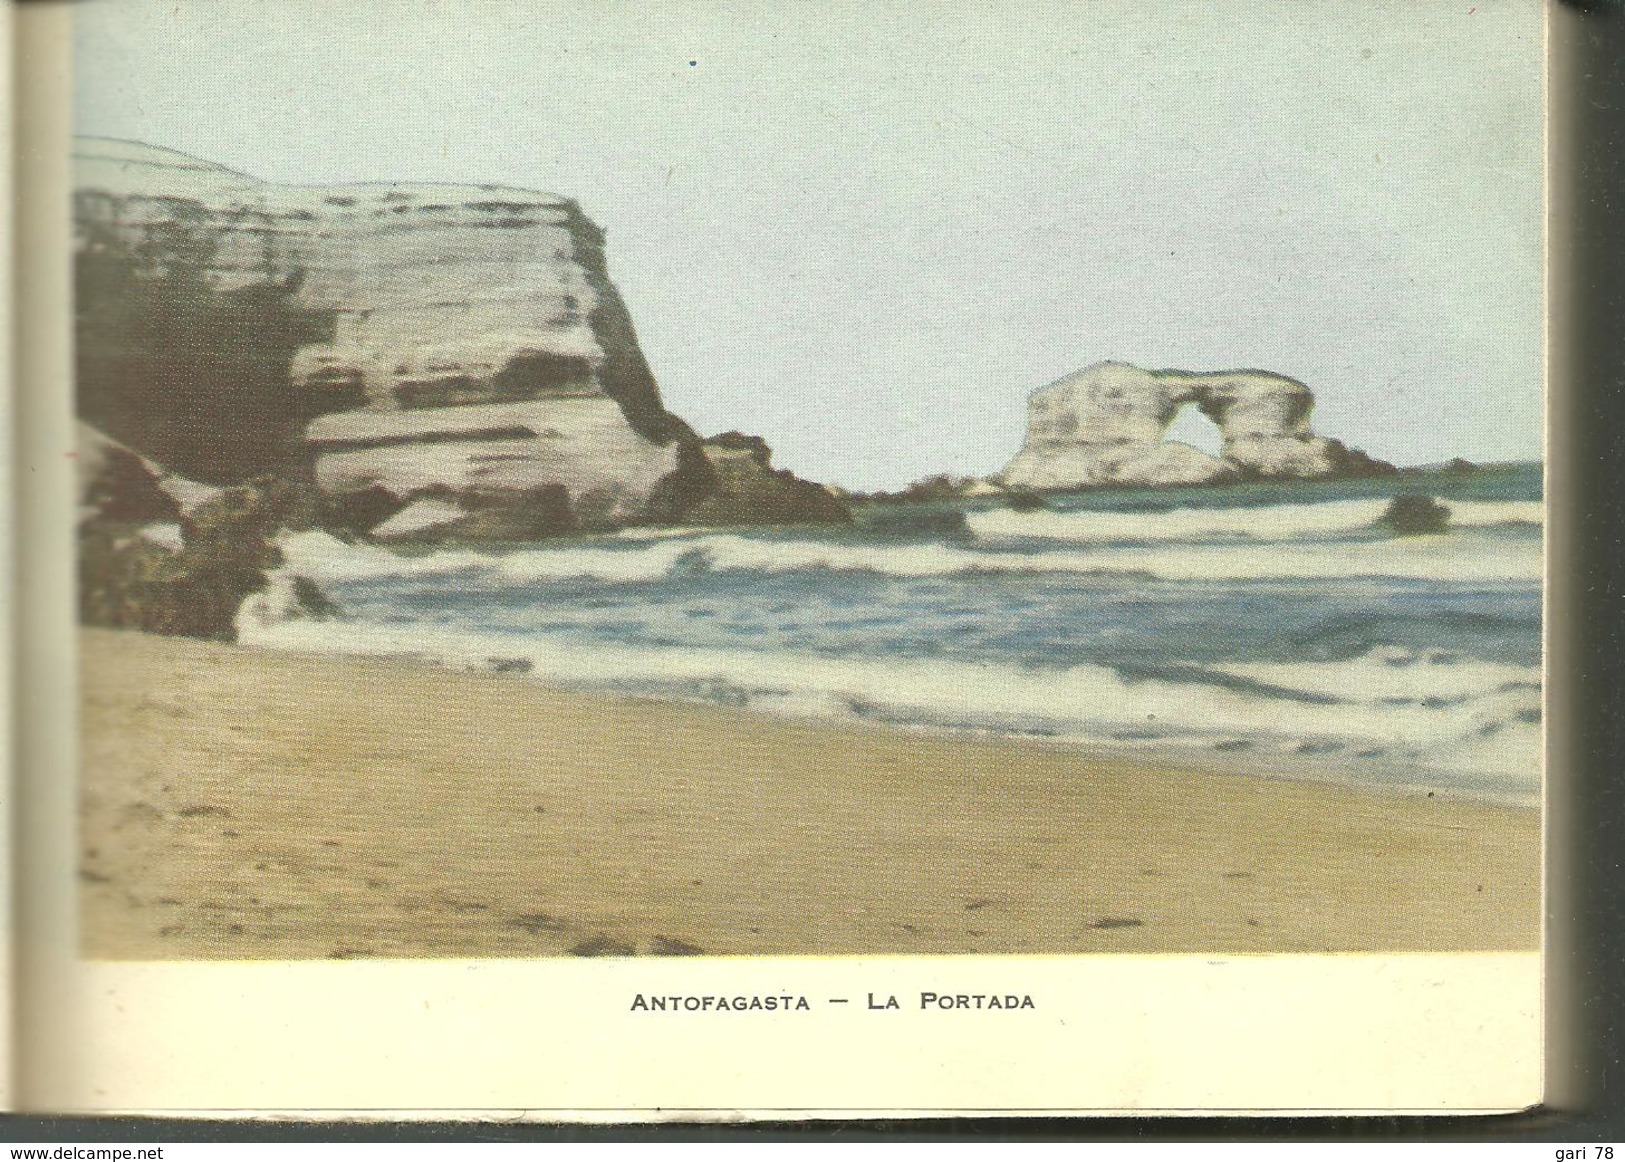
(738, 481)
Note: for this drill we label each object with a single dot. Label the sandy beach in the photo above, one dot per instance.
(249, 805)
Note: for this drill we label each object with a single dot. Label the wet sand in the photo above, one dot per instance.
(248, 805)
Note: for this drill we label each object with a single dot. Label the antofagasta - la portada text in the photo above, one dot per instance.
(787, 1002)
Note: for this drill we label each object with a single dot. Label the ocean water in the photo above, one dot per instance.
(1270, 628)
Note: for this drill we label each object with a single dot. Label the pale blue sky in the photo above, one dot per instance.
(867, 231)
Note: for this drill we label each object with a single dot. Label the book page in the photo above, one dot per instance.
(713, 561)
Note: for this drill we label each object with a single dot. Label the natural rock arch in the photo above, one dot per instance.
(1106, 425)
(1191, 425)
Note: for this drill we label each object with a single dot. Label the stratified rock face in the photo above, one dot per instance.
(475, 326)
(1106, 425)
(481, 453)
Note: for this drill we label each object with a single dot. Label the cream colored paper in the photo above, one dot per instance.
(1188, 1034)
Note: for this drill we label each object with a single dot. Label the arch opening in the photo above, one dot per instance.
(1191, 426)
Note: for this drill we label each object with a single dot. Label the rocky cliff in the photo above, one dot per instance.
(161, 553)
(1107, 424)
(455, 350)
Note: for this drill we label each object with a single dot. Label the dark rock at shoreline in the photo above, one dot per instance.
(935, 489)
(117, 483)
(437, 516)
(151, 562)
(1022, 501)
(1415, 514)
(929, 490)
(737, 485)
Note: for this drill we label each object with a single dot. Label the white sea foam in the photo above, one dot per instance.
(1461, 556)
(1419, 717)
(323, 557)
(657, 534)
(1391, 675)
(1267, 523)
(1478, 731)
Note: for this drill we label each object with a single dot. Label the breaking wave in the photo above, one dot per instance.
(1271, 523)
(1460, 556)
(1299, 639)
(1384, 718)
